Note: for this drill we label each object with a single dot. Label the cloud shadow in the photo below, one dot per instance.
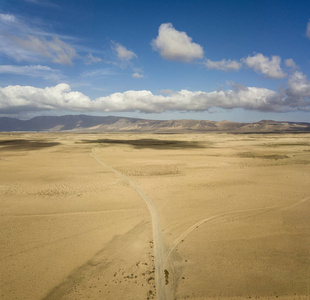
(22, 144)
(150, 143)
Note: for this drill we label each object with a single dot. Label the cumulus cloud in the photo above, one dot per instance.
(184, 100)
(308, 30)
(60, 97)
(299, 85)
(223, 65)
(123, 53)
(298, 91)
(176, 45)
(137, 75)
(17, 99)
(32, 71)
(262, 64)
(24, 43)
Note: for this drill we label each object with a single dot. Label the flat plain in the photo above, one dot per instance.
(154, 216)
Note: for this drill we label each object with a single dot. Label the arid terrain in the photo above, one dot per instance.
(154, 216)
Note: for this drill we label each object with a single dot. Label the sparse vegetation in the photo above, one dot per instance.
(263, 156)
(56, 196)
(150, 279)
(166, 276)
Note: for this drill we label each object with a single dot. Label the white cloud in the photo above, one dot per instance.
(21, 42)
(184, 100)
(262, 64)
(224, 65)
(98, 73)
(27, 98)
(176, 45)
(90, 59)
(308, 29)
(290, 63)
(137, 75)
(123, 53)
(32, 71)
(7, 18)
(298, 91)
(16, 99)
(299, 85)
(53, 49)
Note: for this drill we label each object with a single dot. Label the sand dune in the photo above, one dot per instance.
(151, 216)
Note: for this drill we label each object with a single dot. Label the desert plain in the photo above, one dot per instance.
(154, 216)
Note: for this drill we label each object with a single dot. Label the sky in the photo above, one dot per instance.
(241, 61)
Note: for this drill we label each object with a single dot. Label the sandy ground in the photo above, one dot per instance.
(233, 212)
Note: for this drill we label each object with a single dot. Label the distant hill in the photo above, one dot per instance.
(85, 123)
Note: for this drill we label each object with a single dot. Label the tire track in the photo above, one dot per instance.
(295, 204)
(196, 225)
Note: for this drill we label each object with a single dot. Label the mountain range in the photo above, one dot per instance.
(86, 123)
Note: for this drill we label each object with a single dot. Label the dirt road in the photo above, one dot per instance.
(164, 291)
(164, 255)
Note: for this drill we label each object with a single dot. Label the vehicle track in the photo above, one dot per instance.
(162, 254)
(297, 203)
(196, 225)
(163, 291)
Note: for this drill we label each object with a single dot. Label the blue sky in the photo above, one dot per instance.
(210, 60)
